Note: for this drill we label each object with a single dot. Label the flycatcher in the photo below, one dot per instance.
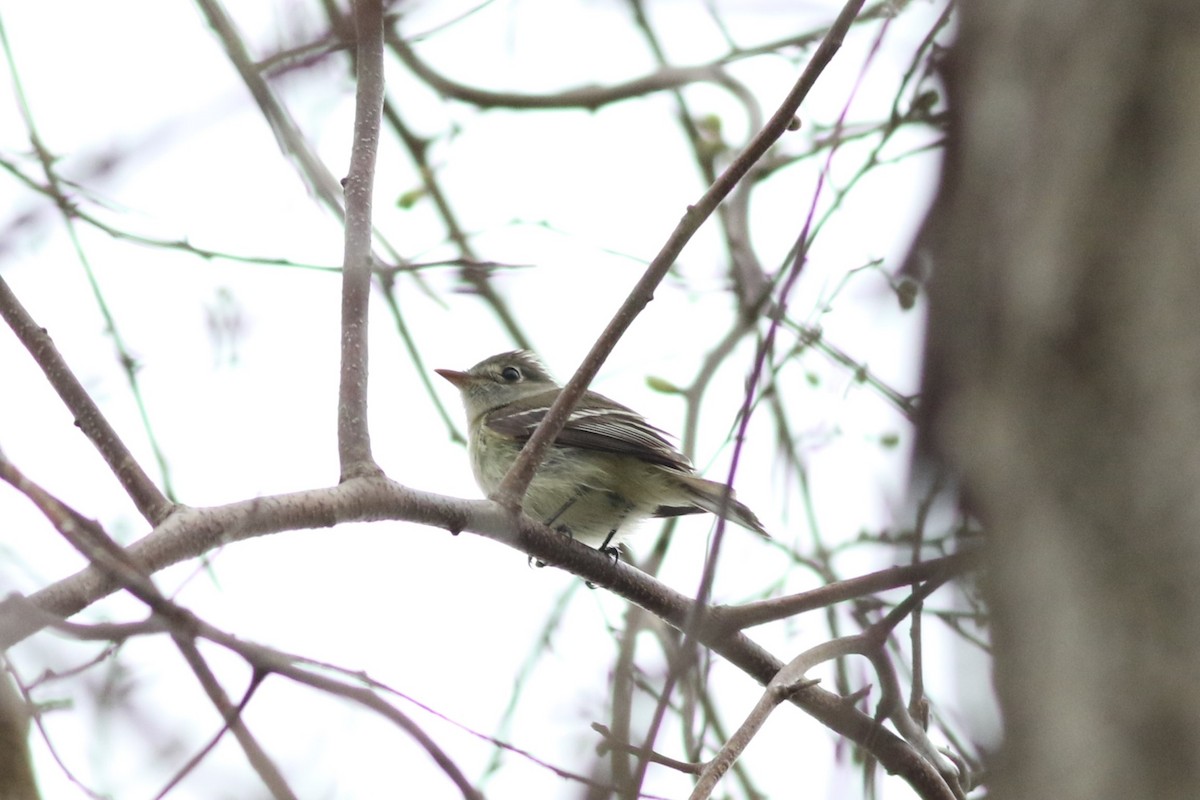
(608, 468)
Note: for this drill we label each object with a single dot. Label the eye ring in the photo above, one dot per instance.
(510, 374)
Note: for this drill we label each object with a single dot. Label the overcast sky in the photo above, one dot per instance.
(238, 364)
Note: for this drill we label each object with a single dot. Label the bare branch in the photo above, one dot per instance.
(354, 437)
(150, 502)
(776, 608)
(512, 489)
(193, 531)
(588, 97)
(108, 557)
(287, 132)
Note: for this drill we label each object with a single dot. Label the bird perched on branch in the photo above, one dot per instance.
(607, 469)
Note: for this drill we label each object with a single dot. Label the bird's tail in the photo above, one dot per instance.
(720, 500)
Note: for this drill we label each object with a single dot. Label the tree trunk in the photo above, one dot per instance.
(16, 773)
(1063, 380)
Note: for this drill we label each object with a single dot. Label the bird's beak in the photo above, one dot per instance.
(459, 379)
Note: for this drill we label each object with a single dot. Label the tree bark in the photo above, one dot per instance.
(16, 772)
(1063, 378)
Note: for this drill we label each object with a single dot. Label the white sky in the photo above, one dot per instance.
(448, 620)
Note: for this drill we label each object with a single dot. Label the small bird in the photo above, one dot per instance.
(607, 469)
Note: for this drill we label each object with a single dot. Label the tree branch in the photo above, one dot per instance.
(151, 503)
(512, 488)
(354, 437)
(193, 531)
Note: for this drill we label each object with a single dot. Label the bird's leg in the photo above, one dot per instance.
(606, 547)
(612, 552)
(563, 529)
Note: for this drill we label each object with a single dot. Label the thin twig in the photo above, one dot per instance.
(512, 488)
(154, 510)
(150, 502)
(776, 608)
(105, 554)
(287, 133)
(203, 752)
(790, 679)
(587, 97)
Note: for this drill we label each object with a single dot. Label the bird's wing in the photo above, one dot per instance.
(604, 425)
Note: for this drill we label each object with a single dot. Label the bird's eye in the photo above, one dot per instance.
(510, 374)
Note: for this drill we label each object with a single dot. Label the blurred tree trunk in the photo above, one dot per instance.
(16, 774)
(1063, 377)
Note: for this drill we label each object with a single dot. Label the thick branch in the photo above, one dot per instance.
(354, 438)
(191, 532)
